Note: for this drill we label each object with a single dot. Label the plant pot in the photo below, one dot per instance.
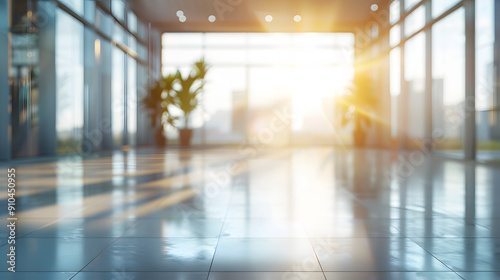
(359, 137)
(161, 141)
(185, 137)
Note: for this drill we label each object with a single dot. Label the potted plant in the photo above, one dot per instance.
(157, 111)
(185, 95)
(356, 107)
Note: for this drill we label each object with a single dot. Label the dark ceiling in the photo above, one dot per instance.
(249, 15)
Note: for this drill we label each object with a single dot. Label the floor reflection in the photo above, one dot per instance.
(305, 213)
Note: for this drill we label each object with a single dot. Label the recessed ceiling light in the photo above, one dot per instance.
(269, 18)
(297, 18)
(211, 18)
(179, 13)
(182, 18)
(374, 7)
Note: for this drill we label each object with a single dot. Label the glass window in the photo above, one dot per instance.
(142, 31)
(104, 22)
(225, 39)
(395, 71)
(269, 39)
(448, 75)
(236, 100)
(89, 11)
(395, 35)
(344, 40)
(75, 5)
(182, 39)
(395, 88)
(487, 101)
(117, 95)
(441, 6)
(415, 21)
(132, 101)
(181, 56)
(394, 117)
(69, 82)
(415, 85)
(132, 22)
(118, 9)
(118, 34)
(395, 10)
(412, 3)
(225, 104)
(142, 52)
(132, 43)
(485, 38)
(228, 56)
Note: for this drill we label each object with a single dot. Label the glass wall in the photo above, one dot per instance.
(73, 70)
(24, 78)
(414, 70)
(132, 101)
(69, 82)
(118, 96)
(442, 89)
(448, 75)
(395, 90)
(254, 75)
(487, 102)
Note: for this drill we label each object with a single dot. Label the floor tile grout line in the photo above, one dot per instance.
(317, 258)
(220, 236)
(55, 221)
(112, 243)
(411, 239)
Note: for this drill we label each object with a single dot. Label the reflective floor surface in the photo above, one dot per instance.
(224, 213)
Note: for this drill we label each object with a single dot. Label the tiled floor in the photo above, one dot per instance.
(217, 213)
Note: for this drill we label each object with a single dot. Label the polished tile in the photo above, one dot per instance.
(265, 254)
(287, 213)
(265, 228)
(374, 254)
(351, 228)
(266, 275)
(194, 209)
(105, 227)
(25, 226)
(37, 275)
(480, 275)
(392, 276)
(124, 275)
(244, 211)
(55, 254)
(465, 254)
(156, 254)
(440, 228)
(176, 227)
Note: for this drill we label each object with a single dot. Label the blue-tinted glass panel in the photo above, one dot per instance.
(75, 5)
(132, 22)
(487, 101)
(118, 9)
(441, 6)
(131, 101)
(69, 82)
(448, 75)
(118, 95)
